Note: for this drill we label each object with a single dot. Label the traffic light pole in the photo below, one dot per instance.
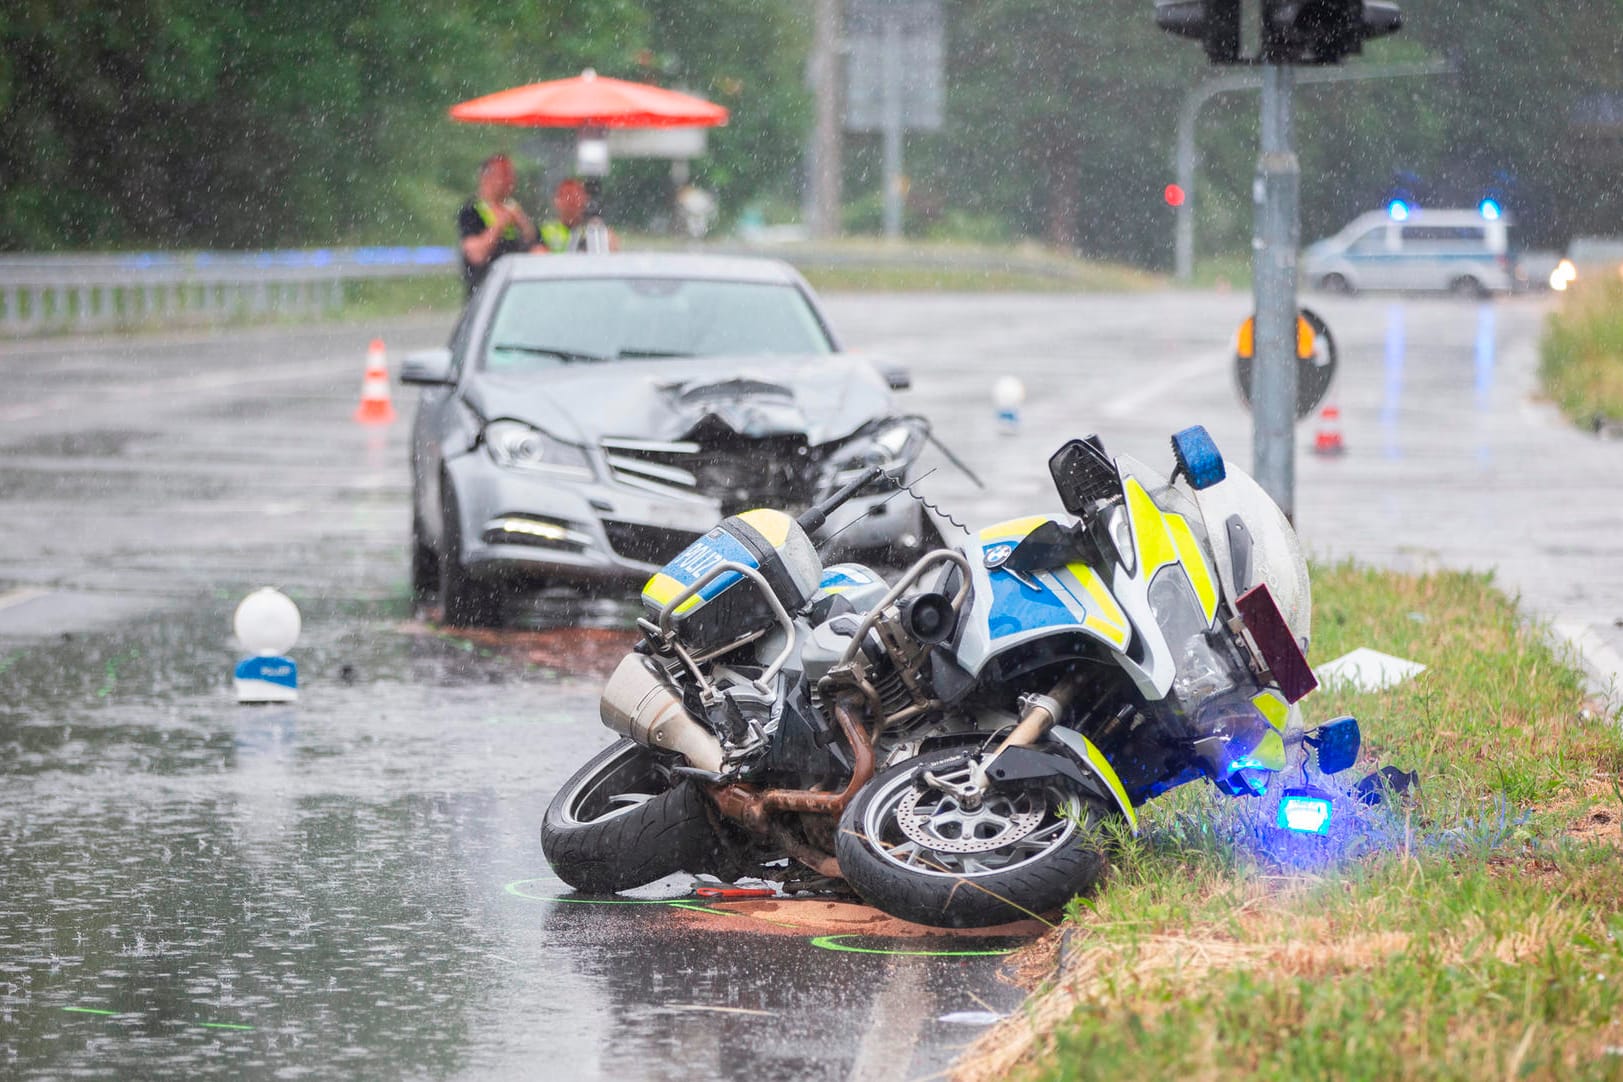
(1276, 194)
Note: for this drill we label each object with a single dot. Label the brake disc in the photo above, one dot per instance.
(993, 825)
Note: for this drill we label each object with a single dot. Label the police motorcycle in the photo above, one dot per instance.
(951, 746)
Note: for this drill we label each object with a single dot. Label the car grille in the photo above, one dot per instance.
(650, 544)
(740, 473)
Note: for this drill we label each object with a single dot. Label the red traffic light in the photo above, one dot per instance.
(1174, 195)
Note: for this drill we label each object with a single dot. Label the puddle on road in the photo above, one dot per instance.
(192, 887)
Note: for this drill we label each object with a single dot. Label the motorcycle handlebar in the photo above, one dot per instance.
(813, 517)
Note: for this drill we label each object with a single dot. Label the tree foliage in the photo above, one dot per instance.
(236, 124)
(239, 124)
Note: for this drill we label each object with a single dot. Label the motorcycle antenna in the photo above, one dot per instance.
(901, 488)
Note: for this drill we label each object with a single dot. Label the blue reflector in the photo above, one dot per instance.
(1306, 811)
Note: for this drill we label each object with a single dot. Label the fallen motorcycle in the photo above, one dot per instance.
(952, 745)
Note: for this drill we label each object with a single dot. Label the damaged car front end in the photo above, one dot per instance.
(584, 435)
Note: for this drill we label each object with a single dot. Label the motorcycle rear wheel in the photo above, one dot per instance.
(619, 823)
(917, 852)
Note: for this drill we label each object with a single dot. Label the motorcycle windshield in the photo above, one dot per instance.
(1262, 549)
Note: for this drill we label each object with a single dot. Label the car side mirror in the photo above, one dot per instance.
(427, 367)
(898, 378)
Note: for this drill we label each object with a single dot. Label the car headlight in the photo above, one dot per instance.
(891, 445)
(519, 446)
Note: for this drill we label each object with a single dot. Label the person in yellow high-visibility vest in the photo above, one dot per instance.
(571, 229)
(492, 224)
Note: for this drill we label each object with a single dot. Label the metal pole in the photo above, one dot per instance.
(826, 168)
(891, 81)
(1278, 231)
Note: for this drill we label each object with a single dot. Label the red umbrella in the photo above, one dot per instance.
(591, 100)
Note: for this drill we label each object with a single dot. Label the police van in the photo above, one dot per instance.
(1468, 252)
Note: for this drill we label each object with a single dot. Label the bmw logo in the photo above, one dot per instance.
(998, 555)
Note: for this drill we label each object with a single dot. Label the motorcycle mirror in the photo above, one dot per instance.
(1338, 742)
(1083, 473)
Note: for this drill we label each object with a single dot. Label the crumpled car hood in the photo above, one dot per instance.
(826, 397)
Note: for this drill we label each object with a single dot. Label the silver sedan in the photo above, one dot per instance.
(593, 414)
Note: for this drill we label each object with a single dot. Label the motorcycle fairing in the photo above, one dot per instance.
(1008, 609)
(1162, 538)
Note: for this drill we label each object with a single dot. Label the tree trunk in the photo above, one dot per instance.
(1063, 170)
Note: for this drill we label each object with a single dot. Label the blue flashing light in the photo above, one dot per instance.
(1306, 811)
(1490, 209)
(1399, 210)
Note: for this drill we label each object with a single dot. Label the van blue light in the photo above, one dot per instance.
(1306, 811)
(1490, 209)
(1399, 210)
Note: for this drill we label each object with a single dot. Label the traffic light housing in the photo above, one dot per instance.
(1214, 23)
(1323, 31)
(1290, 31)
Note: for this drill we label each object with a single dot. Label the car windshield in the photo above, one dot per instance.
(545, 323)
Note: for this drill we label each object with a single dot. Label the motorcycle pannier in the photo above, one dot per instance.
(730, 606)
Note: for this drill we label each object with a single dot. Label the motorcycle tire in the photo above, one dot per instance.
(913, 851)
(619, 823)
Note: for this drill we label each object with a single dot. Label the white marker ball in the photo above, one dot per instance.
(1008, 392)
(267, 622)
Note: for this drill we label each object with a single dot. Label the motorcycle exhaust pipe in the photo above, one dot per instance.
(638, 703)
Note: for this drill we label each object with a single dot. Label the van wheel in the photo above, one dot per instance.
(1336, 283)
(1467, 286)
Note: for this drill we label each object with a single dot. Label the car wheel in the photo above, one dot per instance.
(1468, 286)
(464, 600)
(1337, 283)
(425, 566)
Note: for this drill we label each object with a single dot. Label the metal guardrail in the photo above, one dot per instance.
(44, 294)
(41, 294)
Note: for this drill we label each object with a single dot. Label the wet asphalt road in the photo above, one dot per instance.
(352, 886)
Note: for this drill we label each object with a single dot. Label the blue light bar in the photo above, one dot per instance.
(1490, 209)
(1399, 210)
(1306, 811)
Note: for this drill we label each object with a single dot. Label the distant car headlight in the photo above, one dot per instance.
(890, 444)
(519, 446)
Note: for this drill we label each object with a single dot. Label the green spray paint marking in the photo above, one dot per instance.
(111, 670)
(10, 660)
(114, 1014)
(832, 943)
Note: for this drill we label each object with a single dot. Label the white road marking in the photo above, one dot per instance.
(14, 598)
(1142, 394)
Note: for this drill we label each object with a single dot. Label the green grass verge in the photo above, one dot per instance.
(1582, 353)
(1474, 931)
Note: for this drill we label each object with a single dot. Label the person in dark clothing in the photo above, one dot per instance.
(492, 224)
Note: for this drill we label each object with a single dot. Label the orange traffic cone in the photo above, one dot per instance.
(1327, 437)
(375, 407)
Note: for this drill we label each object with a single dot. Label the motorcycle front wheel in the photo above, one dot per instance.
(921, 853)
(619, 823)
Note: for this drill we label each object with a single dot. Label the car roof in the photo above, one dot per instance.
(652, 265)
(1430, 216)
